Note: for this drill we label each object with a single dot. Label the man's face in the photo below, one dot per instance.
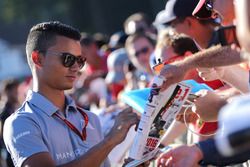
(140, 52)
(180, 26)
(53, 73)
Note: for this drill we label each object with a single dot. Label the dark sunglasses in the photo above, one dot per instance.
(205, 10)
(143, 50)
(69, 59)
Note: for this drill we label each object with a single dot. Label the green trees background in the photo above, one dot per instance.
(106, 16)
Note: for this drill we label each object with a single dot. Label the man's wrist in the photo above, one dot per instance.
(110, 141)
(185, 65)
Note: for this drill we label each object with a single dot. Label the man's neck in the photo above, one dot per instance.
(203, 40)
(57, 97)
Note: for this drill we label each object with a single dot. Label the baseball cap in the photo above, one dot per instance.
(115, 63)
(175, 9)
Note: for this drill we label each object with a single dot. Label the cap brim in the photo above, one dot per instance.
(198, 7)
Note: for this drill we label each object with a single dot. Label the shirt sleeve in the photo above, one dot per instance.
(22, 138)
(211, 156)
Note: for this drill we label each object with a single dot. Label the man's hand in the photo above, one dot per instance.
(188, 156)
(124, 120)
(208, 104)
(173, 73)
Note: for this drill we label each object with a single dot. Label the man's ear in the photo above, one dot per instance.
(36, 58)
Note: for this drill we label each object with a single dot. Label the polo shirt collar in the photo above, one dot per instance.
(45, 105)
(71, 105)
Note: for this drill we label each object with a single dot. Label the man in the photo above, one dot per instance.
(178, 14)
(139, 47)
(49, 129)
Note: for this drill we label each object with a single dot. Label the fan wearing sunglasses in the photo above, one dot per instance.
(49, 129)
(140, 46)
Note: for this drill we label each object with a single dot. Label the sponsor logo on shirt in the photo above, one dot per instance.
(69, 155)
(21, 135)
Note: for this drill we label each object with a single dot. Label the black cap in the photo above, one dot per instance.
(204, 10)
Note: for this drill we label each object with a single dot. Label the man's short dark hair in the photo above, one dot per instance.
(43, 35)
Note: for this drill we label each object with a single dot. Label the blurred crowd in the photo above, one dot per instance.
(189, 39)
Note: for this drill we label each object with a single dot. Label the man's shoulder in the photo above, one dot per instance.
(20, 115)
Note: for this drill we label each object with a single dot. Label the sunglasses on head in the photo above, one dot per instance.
(143, 50)
(68, 59)
(205, 10)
